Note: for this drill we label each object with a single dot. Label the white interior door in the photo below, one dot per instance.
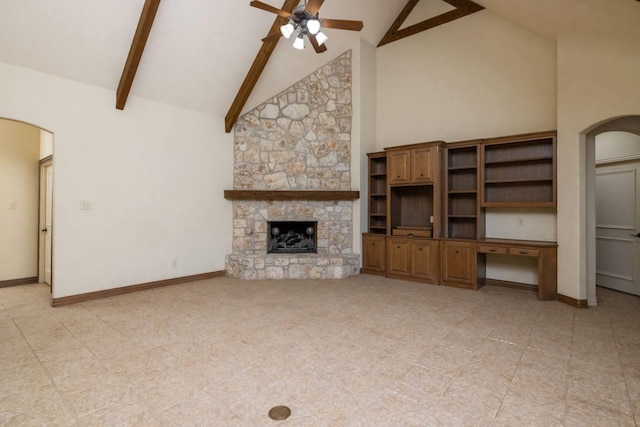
(46, 223)
(617, 223)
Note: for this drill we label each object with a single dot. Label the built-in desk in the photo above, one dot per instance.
(545, 252)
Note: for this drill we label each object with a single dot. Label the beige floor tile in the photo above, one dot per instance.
(121, 415)
(360, 351)
(589, 413)
(523, 412)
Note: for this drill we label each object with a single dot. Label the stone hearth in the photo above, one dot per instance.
(299, 140)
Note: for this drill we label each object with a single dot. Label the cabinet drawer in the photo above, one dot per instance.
(524, 252)
(486, 249)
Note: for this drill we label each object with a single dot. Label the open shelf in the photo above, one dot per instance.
(517, 181)
(455, 192)
(544, 159)
(461, 228)
(461, 202)
(377, 193)
(519, 173)
(411, 206)
(463, 168)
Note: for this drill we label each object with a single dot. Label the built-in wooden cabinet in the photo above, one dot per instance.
(424, 164)
(459, 266)
(416, 258)
(399, 250)
(427, 203)
(413, 190)
(413, 165)
(424, 259)
(374, 259)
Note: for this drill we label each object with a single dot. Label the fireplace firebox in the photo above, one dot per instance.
(292, 237)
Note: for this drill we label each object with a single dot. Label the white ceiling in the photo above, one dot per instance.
(200, 50)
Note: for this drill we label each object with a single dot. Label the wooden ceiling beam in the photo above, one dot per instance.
(256, 69)
(135, 52)
(462, 9)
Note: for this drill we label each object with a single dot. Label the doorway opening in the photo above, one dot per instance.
(26, 153)
(612, 177)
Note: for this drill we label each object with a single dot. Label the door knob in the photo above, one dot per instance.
(44, 230)
(634, 235)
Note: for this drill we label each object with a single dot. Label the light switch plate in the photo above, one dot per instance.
(86, 205)
(13, 205)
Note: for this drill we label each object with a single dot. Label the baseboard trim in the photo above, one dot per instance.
(513, 285)
(74, 299)
(18, 282)
(577, 303)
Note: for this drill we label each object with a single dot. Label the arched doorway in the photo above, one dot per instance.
(629, 124)
(26, 151)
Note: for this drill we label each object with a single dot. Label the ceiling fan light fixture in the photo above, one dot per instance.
(321, 38)
(287, 30)
(299, 42)
(313, 26)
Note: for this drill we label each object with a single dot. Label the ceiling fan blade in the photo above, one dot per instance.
(313, 6)
(342, 24)
(269, 8)
(318, 48)
(271, 37)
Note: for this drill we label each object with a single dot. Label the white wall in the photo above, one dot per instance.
(598, 79)
(364, 136)
(477, 77)
(46, 144)
(522, 224)
(154, 173)
(19, 171)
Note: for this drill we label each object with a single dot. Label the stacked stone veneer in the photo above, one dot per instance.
(299, 140)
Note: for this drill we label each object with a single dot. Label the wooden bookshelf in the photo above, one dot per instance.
(377, 179)
(462, 213)
(520, 172)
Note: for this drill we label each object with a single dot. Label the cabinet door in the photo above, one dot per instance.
(399, 257)
(424, 164)
(373, 253)
(399, 167)
(424, 256)
(459, 263)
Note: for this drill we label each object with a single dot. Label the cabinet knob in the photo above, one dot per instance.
(420, 249)
(398, 247)
(457, 251)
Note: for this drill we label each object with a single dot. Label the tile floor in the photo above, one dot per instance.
(363, 351)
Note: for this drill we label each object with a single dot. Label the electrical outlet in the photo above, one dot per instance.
(431, 219)
(174, 264)
(86, 205)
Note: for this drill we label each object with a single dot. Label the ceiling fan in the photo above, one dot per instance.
(304, 19)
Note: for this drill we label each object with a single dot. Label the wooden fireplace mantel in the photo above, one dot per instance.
(276, 195)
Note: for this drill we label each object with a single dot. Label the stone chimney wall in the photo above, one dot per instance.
(299, 140)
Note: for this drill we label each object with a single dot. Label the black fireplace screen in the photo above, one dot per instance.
(297, 237)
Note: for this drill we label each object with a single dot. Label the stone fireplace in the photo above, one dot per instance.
(298, 141)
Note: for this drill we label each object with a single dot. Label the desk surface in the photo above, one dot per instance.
(536, 243)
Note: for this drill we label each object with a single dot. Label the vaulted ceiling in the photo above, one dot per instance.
(200, 50)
